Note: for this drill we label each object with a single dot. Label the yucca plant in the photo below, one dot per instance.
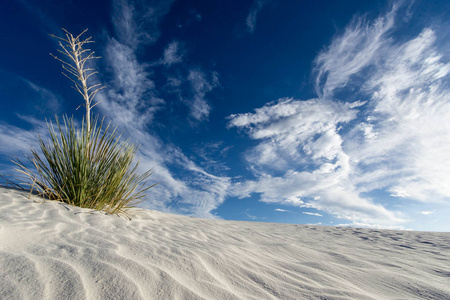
(90, 167)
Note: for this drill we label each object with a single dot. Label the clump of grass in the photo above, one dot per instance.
(90, 167)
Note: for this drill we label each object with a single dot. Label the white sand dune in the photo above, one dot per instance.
(55, 251)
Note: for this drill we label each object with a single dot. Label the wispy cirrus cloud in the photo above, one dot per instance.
(252, 16)
(312, 214)
(330, 154)
(183, 186)
(410, 106)
(351, 52)
(137, 25)
(201, 85)
(173, 54)
(17, 140)
(132, 100)
(17, 143)
(132, 96)
(280, 210)
(137, 22)
(212, 156)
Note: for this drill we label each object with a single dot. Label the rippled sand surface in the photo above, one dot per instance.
(55, 251)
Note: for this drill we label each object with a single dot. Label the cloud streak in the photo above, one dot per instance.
(410, 108)
(133, 100)
(280, 210)
(312, 214)
(253, 15)
(172, 54)
(137, 23)
(201, 85)
(351, 52)
(331, 154)
(18, 140)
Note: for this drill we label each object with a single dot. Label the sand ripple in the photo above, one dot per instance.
(56, 251)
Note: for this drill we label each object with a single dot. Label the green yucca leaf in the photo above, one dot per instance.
(90, 169)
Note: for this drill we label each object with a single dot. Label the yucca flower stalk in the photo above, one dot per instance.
(72, 49)
(89, 167)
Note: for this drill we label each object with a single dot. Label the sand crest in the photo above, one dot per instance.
(55, 251)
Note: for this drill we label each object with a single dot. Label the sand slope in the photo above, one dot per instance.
(56, 251)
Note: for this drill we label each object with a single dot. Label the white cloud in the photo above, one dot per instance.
(294, 132)
(312, 214)
(131, 102)
(137, 22)
(399, 194)
(16, 140)
(17, 143)
(131, 97)
(172, 54)
(427, 212)
(201, 85)
(280, 210)
(212, 155)
(183, 186)
(411, 102)
(251, 217)
(193, 191)
(253, 14)
(327, 154)
(301, 139)
(351, 52)
(136, 25)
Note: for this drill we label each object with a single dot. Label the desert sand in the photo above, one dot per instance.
(53, 250)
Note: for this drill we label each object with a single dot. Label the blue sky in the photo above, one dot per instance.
(308, 112)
